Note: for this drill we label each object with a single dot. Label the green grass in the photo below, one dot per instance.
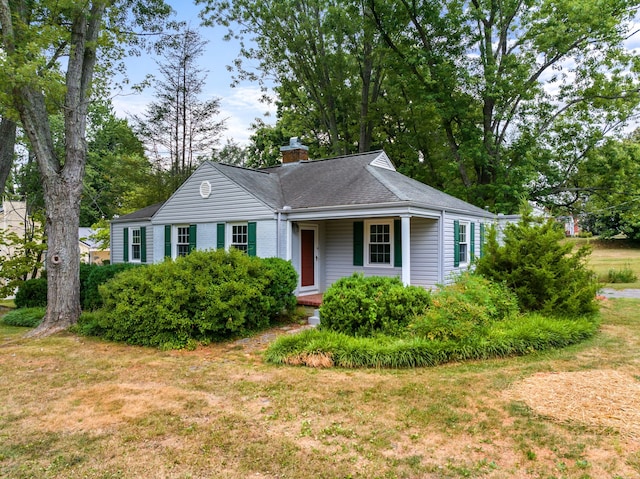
(77, 407)
(616, 255)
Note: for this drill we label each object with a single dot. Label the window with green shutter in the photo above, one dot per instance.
(143, 244)
(167, 241)
(251, 239)
(456, 243)
(397, 243)
(192, 237)
(472, 240)
(220, 235)
(125, 245)
(358, 243)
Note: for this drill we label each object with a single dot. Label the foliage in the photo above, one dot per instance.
(489, 100)
(116, 171)
(29, 317)
(97, 276)
(179, 129)
(608, 185)
(50, 53)
(517, 335)
(468, 306)
(364, 306)
(32, 293)
(21, 256)
(623, 275)
(282, 281)
(205, 296)
(540, 269)
(327, 63)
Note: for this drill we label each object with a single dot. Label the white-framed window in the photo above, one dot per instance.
(182, 243)
(136, 245)
(463, 242)
(240, 237)
(378, 243)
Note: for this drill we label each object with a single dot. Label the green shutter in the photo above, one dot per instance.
(251, 238)
(143, 244)
(456, 243)
(167, 241)
(125, 240)
(397, 243)
(220, 236)
(481, 239)
(192, 237)
(358, 243)
(472, 240)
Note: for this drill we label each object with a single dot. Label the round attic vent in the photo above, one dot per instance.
(205, 189)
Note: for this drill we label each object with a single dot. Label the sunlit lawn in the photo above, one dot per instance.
(72, 407)
(613, 254)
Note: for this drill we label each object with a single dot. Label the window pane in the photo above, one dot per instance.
(135, 252)
(463, 253)
(183, 241)
(239, 237)
(380, 244)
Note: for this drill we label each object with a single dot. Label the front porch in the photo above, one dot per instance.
(312, 300)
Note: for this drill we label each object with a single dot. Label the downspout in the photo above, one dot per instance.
(441, 256)
(278, 234)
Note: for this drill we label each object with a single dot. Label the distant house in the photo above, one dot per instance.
(90, 251)
(330, 217)
(14, 219)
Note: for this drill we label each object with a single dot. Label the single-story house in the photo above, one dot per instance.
(329, 217)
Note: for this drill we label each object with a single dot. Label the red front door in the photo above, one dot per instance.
(307, 257)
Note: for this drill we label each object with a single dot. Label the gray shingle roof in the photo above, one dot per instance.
(142, 214)
(342, 181)
(259, 183)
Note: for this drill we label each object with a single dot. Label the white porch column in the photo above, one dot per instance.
(406, 249)
(289, 253)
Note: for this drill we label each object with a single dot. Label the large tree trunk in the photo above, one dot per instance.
(7, 145)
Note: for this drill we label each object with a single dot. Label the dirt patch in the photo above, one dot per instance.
(600, 398)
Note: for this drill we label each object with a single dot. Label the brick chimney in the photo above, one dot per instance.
(295, 151)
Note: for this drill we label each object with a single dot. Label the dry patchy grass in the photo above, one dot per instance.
(80, 408)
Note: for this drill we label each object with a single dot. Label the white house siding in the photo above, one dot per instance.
(424, 252)
(449, 269)
(226, 203)
(338, 254)
(206, 236)
(266, 238)
(117, 240)
(158, 243)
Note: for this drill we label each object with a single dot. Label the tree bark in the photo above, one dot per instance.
(7, 146)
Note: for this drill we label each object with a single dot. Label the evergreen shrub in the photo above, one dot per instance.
(542, 271)
(94, 276)
(464, 308)
(365, 306)
(204, 296)
(32, 294)
(282, 281)
(27, 317)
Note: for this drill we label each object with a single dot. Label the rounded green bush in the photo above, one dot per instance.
(204, 296)
(463, 308)
(95, 275)
(365, 306)
(32, 294)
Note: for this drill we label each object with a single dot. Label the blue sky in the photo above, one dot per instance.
(239, 105)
